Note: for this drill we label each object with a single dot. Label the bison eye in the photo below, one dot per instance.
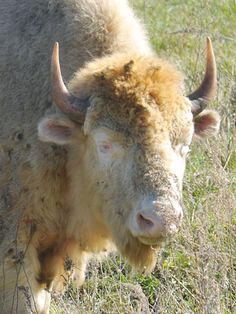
(105, 147)
(184, 150)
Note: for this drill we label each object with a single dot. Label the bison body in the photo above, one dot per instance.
(103, 168)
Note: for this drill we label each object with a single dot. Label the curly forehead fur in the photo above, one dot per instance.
(143, 94)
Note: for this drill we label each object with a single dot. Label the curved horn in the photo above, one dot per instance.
(72, 106)
(207, 89)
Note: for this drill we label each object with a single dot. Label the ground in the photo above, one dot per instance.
(196, 271)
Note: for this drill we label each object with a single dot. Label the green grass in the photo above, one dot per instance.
(196, 272)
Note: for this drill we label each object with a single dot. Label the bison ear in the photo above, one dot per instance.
(58, 129)
(206, 123)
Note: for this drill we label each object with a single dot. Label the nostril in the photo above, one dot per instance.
(144, 223)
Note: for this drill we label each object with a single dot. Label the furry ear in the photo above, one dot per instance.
(207, 123)
(58, 129)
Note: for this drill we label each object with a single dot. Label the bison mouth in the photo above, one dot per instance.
(151, 241)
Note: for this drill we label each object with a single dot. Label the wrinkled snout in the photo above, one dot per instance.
(154, 220)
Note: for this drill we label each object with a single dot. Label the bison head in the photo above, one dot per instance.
(129, 128)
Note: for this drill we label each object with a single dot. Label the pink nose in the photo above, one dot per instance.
(150, 224)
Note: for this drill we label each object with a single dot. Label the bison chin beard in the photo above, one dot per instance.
(142, 257)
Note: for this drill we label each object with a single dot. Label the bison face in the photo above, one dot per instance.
(133, 184)
(140, 186)
(130, 133)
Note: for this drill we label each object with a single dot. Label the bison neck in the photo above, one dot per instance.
(60, 203)
(85, 222)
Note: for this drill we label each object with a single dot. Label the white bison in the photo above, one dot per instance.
(105, 168)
